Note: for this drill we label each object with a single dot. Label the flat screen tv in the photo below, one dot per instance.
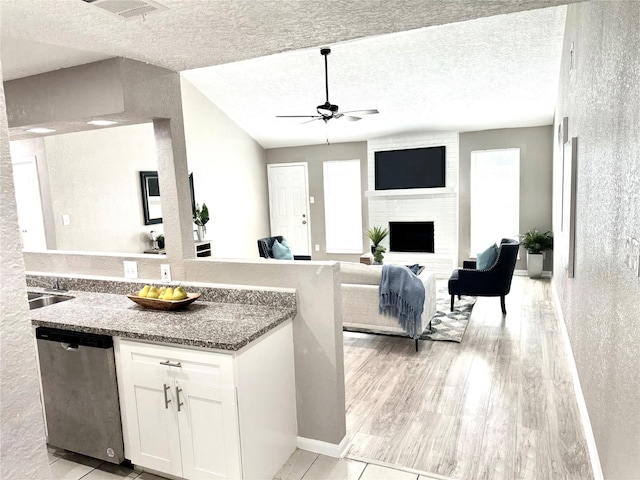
(411, 168)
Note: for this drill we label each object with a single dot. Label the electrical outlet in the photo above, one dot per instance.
(165, 272)
(130, 269)
(66, 220)
(317, 248)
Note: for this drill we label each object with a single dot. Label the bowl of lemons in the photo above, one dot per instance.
(163, 298)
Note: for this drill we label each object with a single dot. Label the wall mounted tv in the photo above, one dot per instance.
(411, 168)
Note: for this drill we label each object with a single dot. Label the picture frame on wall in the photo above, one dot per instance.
(569, 183)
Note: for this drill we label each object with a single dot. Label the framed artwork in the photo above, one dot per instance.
(569, 177)
(150, 189)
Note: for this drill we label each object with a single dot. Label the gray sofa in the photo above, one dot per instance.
(359, 289)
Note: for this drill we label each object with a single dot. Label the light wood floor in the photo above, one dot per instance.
(499, 405)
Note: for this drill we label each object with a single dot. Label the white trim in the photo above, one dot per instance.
(582, 405)
(411, 192)
(324, 448)
(545, 273)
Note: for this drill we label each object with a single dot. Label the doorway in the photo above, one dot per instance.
(289, 204)
(29, 204)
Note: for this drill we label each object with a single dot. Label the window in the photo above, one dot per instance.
(495, 197)
(342, 206)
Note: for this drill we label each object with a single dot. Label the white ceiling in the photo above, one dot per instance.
(493, 72)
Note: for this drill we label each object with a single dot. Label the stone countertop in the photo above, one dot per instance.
(226, 326)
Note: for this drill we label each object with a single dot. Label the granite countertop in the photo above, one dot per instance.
(226, 326)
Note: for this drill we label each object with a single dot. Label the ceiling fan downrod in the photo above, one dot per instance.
(326, 110)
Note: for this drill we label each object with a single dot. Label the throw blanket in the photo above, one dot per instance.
(402, 295)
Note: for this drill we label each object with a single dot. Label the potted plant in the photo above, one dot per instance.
(378, 254)
(376, 235)
(160, 240)
(200, 218)
(536, 242)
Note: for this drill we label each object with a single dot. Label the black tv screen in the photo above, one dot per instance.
(411, 168)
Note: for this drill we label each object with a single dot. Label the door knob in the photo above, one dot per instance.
(304, 222)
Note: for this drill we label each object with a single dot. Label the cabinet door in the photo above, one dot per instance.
(209, 432)
(153, 424)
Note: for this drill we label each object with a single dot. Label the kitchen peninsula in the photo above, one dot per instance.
(205, 392)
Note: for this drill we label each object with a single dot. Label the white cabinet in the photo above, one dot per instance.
(181, 411)
(197, 414)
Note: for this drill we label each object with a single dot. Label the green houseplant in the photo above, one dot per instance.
(376, 235)
(378, 254)
(536, 242)
(200, 218)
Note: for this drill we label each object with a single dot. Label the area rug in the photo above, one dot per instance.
(447, 325)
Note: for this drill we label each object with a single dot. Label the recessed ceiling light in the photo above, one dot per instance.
(40, 130)
(101, 123)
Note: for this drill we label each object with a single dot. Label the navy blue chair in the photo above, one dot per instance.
(495, 281)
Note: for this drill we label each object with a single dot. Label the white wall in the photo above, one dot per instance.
(22, 441)
(230, 176)
(441, 208)
(94, 178)
(601, 98)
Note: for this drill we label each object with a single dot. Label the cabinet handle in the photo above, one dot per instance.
(178, 390)
(169, 364)
(167, 400)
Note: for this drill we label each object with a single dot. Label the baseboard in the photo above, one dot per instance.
(325, 448)
(545, 274)
(582, 404)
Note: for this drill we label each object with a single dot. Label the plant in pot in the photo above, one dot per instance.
(378, 254)
(536, 242)
(376, 235)
(200, 218)
(160, 240)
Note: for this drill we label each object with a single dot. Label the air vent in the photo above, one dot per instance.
(128, 8)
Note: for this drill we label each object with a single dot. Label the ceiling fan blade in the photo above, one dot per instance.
(351, 118)
(371, 111)
(317, 117)
(298, 116)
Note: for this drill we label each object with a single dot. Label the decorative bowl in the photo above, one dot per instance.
(157, 304)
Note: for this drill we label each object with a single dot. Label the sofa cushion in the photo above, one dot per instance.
(359, 273)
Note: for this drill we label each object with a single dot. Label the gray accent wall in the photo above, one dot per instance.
(314, 156)
(536, 155)
(600, 95)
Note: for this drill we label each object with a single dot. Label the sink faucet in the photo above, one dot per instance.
(53, 286)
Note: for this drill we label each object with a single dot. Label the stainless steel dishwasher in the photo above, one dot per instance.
(80, 393)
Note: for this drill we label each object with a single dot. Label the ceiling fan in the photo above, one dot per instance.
(327, 110)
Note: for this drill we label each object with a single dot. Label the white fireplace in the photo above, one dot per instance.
(435, 205)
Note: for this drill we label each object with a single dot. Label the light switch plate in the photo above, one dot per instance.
(66, 220)
(165, 272)
(130, 269)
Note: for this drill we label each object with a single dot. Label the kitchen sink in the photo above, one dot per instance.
(39, 300)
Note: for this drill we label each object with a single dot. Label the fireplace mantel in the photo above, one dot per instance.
(412, 192)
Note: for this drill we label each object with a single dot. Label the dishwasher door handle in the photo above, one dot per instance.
(69, 347)
(167, 400)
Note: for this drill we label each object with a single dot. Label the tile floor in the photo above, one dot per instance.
(302, 465)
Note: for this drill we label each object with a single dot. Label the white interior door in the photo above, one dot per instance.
(29, 204)
(289, 204)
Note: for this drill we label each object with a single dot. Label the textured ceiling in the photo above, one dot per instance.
(41, 35)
